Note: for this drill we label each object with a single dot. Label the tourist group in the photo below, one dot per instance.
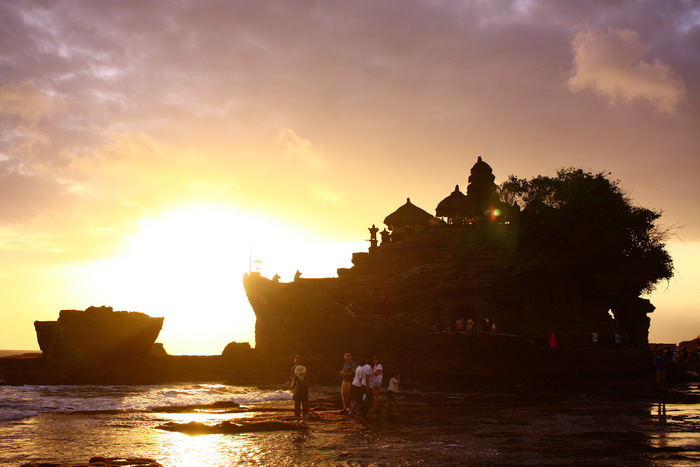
(360, 388)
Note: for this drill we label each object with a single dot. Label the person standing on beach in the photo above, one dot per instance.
(348, 372)
(300, 389)
(392, 394)
(357, 388)
(375, 381)
(660, 365)
(368, 395)
(297, 361)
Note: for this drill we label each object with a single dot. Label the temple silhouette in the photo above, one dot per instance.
(480, 204)
(473, 293)
(424, 276)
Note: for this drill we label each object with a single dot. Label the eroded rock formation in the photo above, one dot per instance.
(97, 335)
(518, 276)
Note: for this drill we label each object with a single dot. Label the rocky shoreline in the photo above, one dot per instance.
(489, 359)
(526, 427)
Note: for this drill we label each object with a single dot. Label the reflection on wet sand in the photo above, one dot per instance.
(604, 428)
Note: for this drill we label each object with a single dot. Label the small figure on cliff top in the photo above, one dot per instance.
(297, 275)
(459, 325)
(470, 324)
(487, 324)
(348, 371)
(276, 278)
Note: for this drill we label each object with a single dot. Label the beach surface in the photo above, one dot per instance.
(71, 424)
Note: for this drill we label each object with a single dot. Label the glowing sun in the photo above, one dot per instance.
(187, 265)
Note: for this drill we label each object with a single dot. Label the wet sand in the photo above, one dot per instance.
(519, 429)
(433, 428)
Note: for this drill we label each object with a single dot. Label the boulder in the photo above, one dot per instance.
(97, 335)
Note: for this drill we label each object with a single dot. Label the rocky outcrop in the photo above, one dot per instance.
(237, 350)
(158, 350)
(402, 302)
(99, 461)
(97, 335)
(226, 427)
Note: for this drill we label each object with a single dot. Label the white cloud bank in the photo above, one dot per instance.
(612, 65)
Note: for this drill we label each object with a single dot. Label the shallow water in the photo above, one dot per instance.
(73, 423)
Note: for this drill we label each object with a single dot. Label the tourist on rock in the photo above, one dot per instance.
(368, 395)
(493, 326)
(297, 361)
(553, 342)
(470, 324)
(594, 338)
(375, 381)
(459, 325)
(660, 366)
(358, 387)
(348, 371)
(300, 390)
(392, 394)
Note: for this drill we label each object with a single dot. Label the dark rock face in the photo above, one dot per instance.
(632, 313)
(402, 301)
(158, 350)
(97, 335)
(237, 350)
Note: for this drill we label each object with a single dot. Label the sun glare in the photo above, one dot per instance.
(187, 265)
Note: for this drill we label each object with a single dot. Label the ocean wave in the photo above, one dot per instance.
(263, 397)
(68, 399)
(7, 414)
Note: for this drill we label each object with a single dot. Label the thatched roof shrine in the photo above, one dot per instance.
(455, 205)
(408, 215)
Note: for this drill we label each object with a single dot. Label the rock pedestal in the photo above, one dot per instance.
(97, 335)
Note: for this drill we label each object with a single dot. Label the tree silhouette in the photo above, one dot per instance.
(589, 221)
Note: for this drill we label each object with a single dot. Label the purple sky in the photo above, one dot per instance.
(328, 114)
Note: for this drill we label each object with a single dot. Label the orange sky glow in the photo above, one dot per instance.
(151, 152)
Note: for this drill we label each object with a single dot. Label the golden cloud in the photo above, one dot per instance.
(611, 64)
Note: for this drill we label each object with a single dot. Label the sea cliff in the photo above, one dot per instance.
(402, 302)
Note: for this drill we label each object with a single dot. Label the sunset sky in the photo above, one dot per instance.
(150, 151)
